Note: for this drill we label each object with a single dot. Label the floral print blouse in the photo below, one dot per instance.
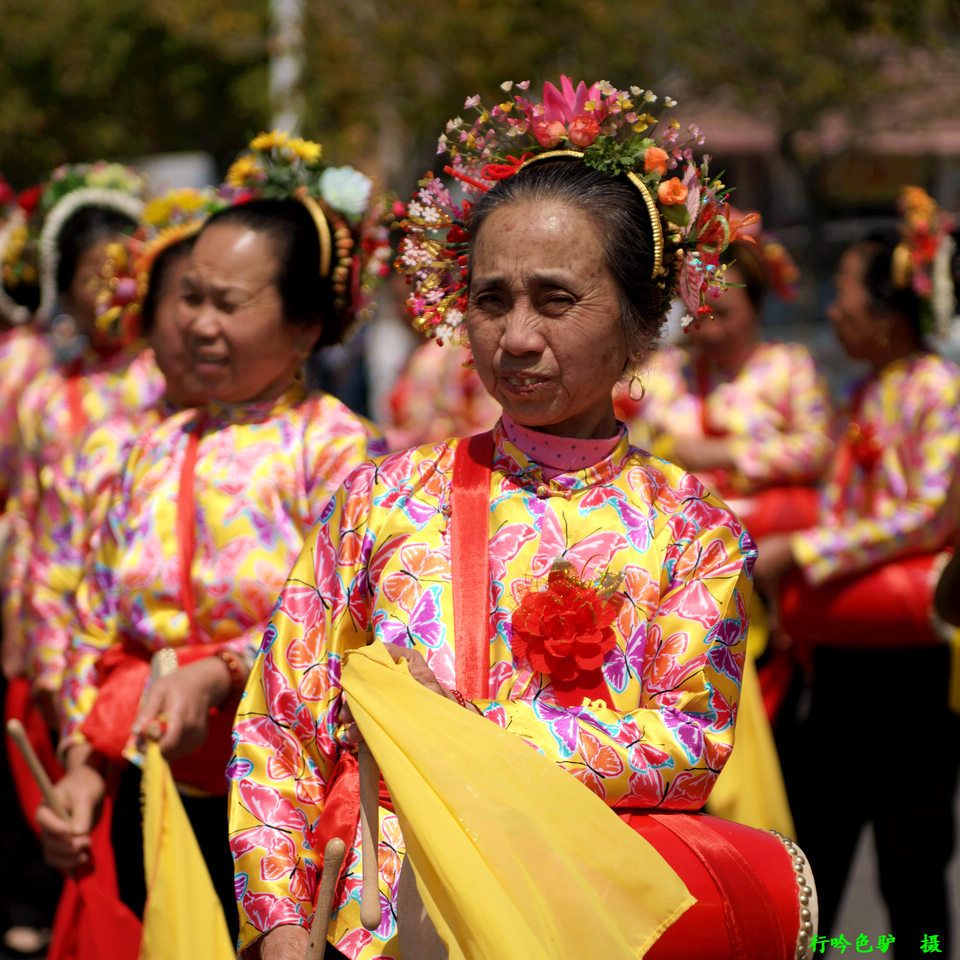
(378, 566)
(211, 512)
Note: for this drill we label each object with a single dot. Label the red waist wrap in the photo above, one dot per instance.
(748, 895)
(884, 608)
(122, 674)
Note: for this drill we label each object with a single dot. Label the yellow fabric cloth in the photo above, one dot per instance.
(750, 788)
(514, 858)
(182, 917)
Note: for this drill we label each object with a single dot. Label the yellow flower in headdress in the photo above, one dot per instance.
(157, 210)
(242, 170)
(308, 150)
(266, 141)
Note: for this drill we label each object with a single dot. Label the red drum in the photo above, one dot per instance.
(776, 509)
(883, 608)
(755, 894)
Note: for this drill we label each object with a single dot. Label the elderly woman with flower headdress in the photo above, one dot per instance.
(557, 602)
(215, 501)
(856, 588)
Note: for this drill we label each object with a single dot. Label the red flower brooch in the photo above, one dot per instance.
(565, 630)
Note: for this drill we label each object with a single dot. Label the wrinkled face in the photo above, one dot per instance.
(544, 318)
(80, 298)
(167, 340)
(857, 326)
(733, 328)
(239, 347)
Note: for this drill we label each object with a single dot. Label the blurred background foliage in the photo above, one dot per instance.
(83, 79)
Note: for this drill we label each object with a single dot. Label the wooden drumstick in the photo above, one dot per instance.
(333, 855)
(19, 736)
(369, 838)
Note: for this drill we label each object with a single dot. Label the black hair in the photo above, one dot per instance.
(158, 282)
(747, 259)
(885, 298)
(618, 209)
(307, 297)
(81, 230)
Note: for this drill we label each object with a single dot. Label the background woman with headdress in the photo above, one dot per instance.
(215, 501)
(751, 418)
(583, 596)
(84, 208)
(859, 593)
(140, 290)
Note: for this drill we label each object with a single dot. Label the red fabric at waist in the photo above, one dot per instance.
(122, 674)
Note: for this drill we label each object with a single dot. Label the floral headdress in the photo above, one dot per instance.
(350, 216)
(608, 129)
(165, 220)
(921, 260)
(72, 187)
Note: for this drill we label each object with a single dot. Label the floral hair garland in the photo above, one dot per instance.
(921, 261)
(166, 220)
(351, 217)
(610, 130)
(70, 188)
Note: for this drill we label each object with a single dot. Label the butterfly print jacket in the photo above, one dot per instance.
(262, 475)
(378, 566)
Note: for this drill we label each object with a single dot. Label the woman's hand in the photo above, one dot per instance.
(66, 843)
(288, 942)
(418, 670)
(174, 712)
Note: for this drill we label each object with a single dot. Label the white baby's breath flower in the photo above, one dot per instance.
(649, 96)
(506, 86)
(669, 102)
(346, 190)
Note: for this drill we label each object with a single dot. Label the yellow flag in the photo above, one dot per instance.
(514, 858)
(183, 916)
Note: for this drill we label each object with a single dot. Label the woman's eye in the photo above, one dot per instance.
(557, 303)
(489, 301)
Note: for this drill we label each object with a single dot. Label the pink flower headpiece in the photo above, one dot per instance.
(608, 129)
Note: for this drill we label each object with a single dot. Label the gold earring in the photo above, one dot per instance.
(636, 381)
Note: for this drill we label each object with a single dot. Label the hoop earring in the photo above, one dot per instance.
(635, 380)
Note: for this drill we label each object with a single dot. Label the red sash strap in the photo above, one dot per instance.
(470, 554)
(78, 419)
(186, 527)
(753, 924)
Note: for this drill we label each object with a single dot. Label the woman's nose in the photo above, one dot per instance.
(521, 332)
(200, 320)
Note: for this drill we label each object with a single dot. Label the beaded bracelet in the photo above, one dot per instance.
(458, 696)
(238, 672)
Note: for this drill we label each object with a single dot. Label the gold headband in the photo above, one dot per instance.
(323, 228)
(651, 205)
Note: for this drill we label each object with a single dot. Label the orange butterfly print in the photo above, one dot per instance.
(600, 761)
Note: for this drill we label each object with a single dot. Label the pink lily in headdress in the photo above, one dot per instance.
(570, 103)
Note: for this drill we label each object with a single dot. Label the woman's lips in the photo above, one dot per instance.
(522, 383)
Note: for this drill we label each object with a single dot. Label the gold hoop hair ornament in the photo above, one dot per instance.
(323, 228)
(655, 224)
(901, 266)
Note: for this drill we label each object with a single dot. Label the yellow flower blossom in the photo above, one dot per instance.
(243, 169)
(266, 141)
(157, 210)
(506, 107)
(307, 150)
